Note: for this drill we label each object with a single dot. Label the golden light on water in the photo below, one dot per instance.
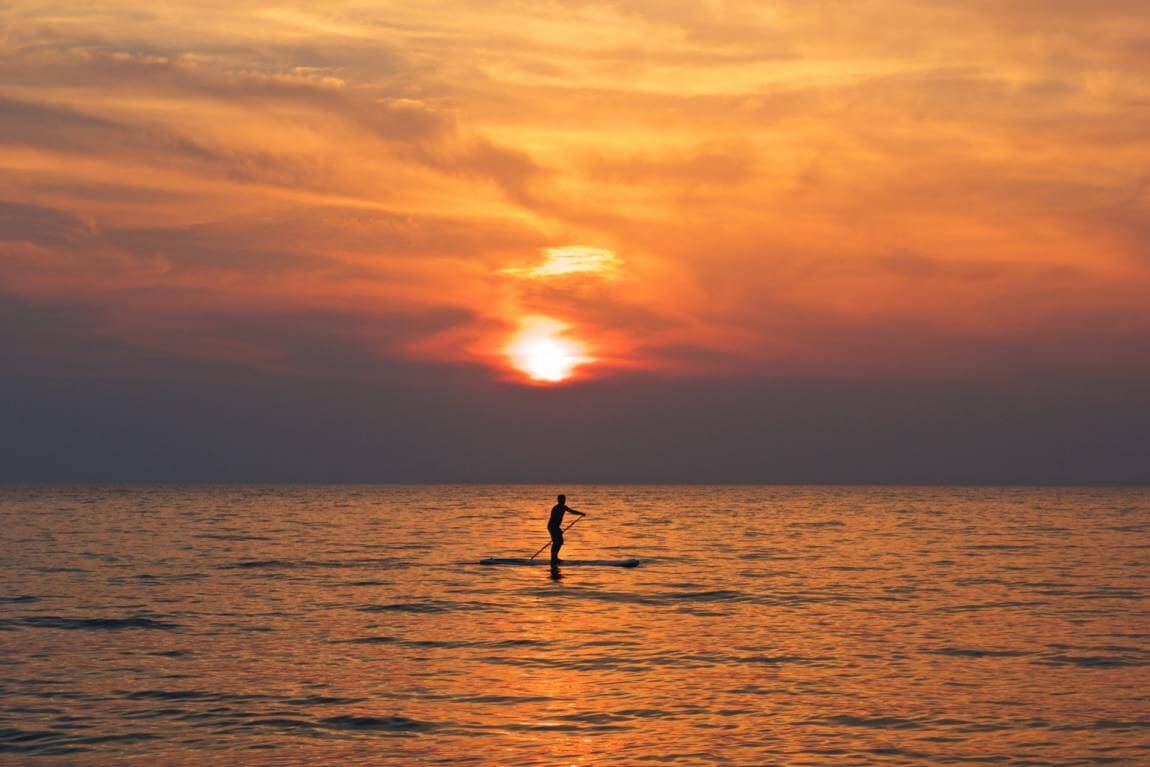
(542, 351)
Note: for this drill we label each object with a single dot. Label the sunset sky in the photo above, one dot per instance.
(883, 240)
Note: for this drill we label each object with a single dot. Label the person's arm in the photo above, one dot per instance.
(574, 511)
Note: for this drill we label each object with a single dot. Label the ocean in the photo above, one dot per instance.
(766, 625)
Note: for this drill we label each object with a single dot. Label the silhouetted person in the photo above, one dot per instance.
(555, 526)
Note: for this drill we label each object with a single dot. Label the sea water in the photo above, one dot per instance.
(766, 625)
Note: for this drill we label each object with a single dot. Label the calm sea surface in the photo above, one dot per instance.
(766, 625)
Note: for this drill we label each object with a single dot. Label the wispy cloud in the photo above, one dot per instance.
(571, 260)
(907, 188)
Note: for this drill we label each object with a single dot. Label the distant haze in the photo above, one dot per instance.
(415, 426)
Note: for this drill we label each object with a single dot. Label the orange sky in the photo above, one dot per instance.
(910, 188)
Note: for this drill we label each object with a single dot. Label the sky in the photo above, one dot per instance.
(625, 241)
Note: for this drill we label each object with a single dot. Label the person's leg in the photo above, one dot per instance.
(556, 544)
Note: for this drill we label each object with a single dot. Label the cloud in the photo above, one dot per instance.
(792, 188)
(64, 130)
(572, 260)
(20, 222)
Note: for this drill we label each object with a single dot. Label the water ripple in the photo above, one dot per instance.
(802, 625)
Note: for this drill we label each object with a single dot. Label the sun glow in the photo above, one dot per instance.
(542, 352)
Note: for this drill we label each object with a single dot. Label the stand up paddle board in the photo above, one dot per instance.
(563, 563)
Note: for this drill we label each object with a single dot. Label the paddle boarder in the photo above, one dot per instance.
(555, 526)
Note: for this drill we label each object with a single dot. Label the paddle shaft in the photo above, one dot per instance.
(548, 544)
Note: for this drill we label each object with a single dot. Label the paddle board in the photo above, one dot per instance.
(563, 563)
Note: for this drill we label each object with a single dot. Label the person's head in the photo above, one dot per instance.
(563, 499)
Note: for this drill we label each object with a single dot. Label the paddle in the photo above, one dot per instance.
(548, 544)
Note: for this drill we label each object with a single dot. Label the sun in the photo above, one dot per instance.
(546, 360)
(542, 352)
